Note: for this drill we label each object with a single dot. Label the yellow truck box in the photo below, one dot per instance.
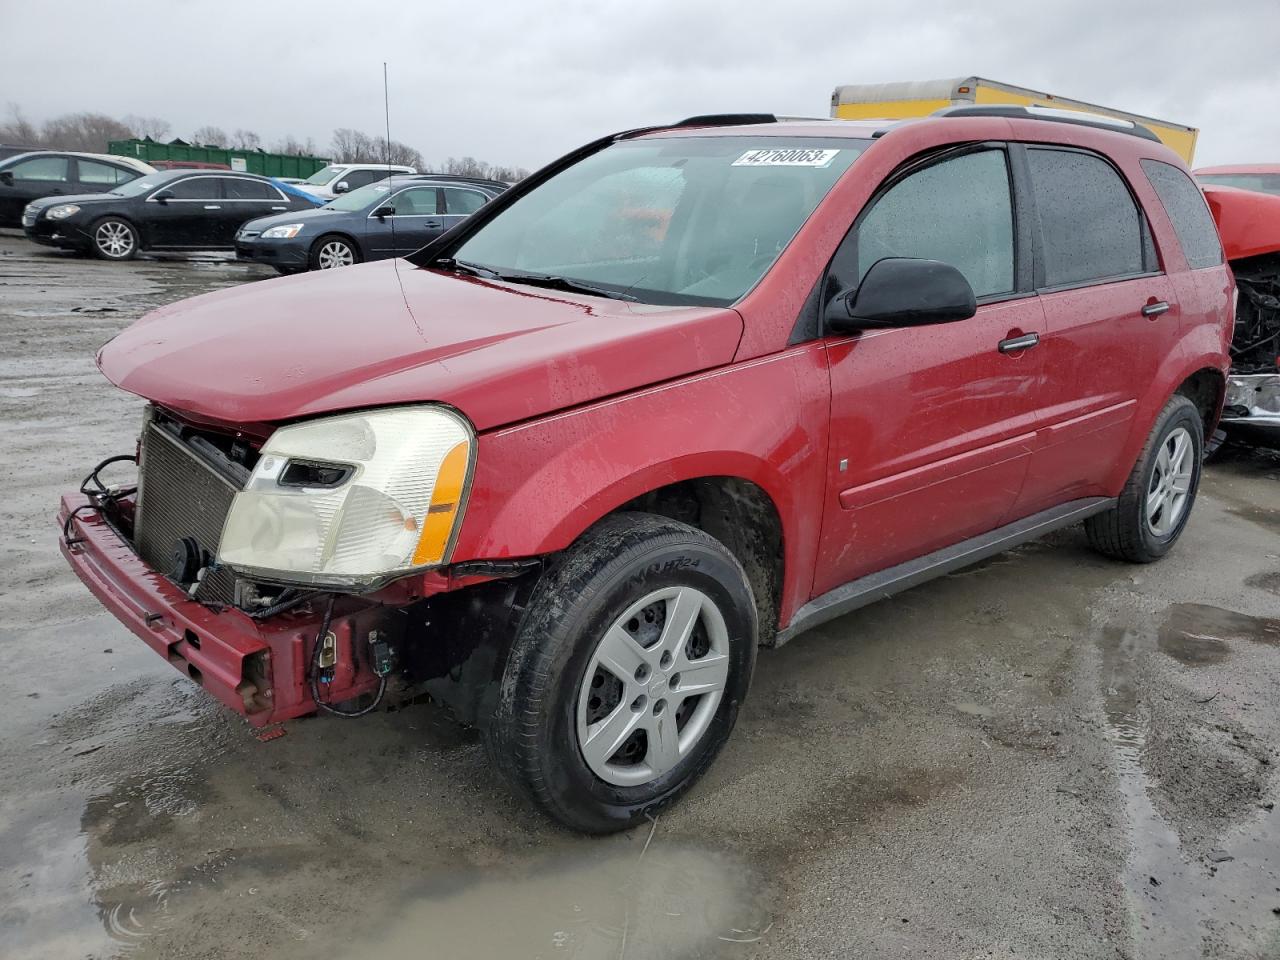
(919, 98)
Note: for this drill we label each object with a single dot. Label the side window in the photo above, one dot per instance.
(465, 202)
(242, 188)
(1090, 228)
(1184, 203)
(959, 211)
(195, 188)
(362, 178)
(48, 169)
(416, 202)
(101, 173)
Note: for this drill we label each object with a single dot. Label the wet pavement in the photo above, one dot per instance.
(1049, 755)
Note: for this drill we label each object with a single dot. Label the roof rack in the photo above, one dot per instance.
(726, 120)
(1039, 112)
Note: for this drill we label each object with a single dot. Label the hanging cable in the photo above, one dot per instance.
(314, 674)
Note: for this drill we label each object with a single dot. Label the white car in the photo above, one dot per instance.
(338, 178)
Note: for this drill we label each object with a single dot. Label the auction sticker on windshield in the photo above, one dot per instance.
(786, 157)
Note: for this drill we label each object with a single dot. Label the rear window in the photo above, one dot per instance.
(1090, 227)
(1192, 221)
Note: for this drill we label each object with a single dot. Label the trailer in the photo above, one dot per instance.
(919, 98)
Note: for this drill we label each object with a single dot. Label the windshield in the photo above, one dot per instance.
(1257, 182)
(135, 187)
(359, 198)
(672, 220)
(323, 175)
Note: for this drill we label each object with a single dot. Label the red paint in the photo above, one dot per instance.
(1248, 222)
(582, 404)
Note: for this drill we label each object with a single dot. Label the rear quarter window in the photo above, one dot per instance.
(1186, 207)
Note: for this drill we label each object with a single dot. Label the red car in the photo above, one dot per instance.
(566, 472)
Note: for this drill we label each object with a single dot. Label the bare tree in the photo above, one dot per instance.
(245, 140)
(143, 127)
(84, 131)
(291, 145)
(18, 129)
(210, 137)
(508, 174)
(351, 146)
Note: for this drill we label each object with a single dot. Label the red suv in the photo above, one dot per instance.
(688, 390)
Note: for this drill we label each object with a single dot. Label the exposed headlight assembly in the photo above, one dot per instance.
(61, 211)
(286, 231)
(353, 501)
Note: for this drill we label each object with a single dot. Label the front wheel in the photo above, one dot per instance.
(626, 673)
(114, 239)
(1156, 502)
(333, 251)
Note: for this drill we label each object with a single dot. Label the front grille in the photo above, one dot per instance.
(247, 234)
(181, 495)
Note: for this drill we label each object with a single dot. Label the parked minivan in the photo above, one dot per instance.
(688, 390)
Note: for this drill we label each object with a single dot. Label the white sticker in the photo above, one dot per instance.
(786, 157)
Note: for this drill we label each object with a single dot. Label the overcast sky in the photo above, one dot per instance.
(522, 82)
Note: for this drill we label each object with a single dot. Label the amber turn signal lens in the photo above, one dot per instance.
(445, 501)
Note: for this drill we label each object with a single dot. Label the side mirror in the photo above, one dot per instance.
(6, 177)
(341, 187)
(902, 292)
(164, 196)
(385, 211)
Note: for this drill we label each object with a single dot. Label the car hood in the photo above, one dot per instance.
(53, 201)
(389, 333)
(296, 216)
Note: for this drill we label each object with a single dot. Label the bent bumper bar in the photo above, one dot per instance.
(255, 667)
(1253, 400)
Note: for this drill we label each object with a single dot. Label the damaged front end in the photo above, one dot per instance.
(271, 651)
(1253, 389)
(1249, 225)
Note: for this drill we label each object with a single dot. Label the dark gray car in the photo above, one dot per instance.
(390, 218)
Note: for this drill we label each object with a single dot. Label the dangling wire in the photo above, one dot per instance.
(313, 677)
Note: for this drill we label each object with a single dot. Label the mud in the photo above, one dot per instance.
(1050, 755)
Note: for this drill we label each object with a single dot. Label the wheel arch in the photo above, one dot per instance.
(340, 234)
(143, 233)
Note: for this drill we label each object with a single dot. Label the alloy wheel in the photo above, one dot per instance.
(114, 239)
(1170, 485)
(335, 253)
(652, 686)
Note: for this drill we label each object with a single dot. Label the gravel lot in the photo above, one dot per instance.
(1050, 755)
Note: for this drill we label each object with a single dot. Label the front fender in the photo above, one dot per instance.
(539, 485)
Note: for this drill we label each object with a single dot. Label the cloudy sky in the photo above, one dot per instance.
(521, 82)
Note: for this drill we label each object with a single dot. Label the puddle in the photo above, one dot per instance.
(598, 903)
(1197, 634)
(1181, 906)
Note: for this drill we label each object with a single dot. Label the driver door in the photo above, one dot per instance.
(931, 426)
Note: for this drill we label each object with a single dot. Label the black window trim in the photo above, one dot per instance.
(1021, 148)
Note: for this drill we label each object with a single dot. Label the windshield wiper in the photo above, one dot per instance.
(551, 282)
(461, 266)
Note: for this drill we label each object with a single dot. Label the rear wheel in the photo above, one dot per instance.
(626, 674)
(333, 251)
(1156, 501)
(114, 239)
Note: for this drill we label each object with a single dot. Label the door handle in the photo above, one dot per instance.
(1014, 344)
(1155, 309)
(279, 208)
(212, 206)
(433, 224)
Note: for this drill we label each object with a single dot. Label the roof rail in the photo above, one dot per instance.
(1039, 112)
(726, 119)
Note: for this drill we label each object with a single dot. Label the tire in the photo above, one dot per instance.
(334, 250)
(628, 573)
(1144, 525)
(114, 238)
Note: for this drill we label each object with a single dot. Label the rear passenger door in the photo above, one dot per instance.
(932, 427)
(1109, 314)
(243, 199)
(460, 203)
